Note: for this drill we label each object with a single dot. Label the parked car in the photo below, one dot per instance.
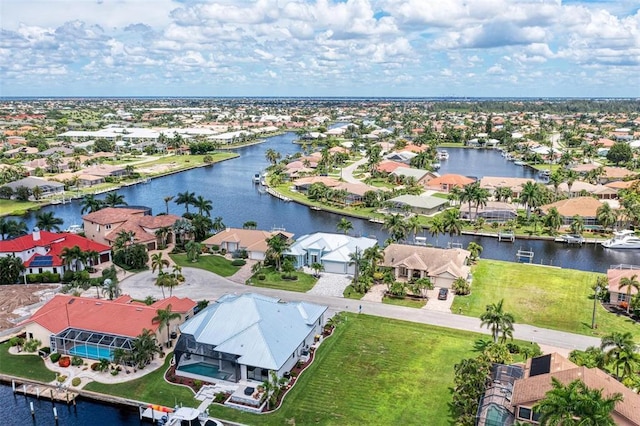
(443, 293)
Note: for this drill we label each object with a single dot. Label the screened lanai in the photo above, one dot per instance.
(89, 344)
(201, 361)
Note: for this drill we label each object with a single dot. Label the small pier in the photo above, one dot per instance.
(524, 256)
(271, 191)
(45, 391)
(506, 236)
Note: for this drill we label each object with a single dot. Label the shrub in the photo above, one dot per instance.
(95, 366)
(238, 262)
(46, 350)
(223, 251)
(220, 397)
(114, 372)
(261, 277)
(16, 341)
(64, 361)
(68, 276)
(32, 345)
(76, 381)
(61, 378)
(197, 384)
(76, 361)
(215, 248)
(55, 357)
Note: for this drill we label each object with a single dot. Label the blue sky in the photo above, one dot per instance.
(520, 48)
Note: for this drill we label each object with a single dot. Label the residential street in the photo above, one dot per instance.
(201, 284)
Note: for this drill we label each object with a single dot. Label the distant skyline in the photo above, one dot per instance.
(320, 48)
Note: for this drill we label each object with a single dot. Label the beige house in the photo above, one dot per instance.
(586, 207)
(254, 241)
(441, 266)
(614, 275)
(491, 183)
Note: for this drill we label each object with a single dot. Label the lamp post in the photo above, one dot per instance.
(595, 299)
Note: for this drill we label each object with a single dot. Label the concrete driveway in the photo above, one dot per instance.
(438, 305)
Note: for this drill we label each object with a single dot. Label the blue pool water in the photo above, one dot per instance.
(496, 416)
(204, 369)
(90, 351)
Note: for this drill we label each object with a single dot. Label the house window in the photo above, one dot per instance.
(622, 297)
(403, 271)
(107, 226)
(524, 413)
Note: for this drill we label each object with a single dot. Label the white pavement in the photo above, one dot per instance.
(201, 284)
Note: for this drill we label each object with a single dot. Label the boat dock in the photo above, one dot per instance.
(45, 391)
(271, 191)
(506, 236)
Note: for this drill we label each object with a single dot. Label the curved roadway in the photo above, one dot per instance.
(201, 284)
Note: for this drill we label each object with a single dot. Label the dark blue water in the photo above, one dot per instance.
(237, 200)
(15, 411)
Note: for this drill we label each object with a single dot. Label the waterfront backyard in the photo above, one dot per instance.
(549, 297)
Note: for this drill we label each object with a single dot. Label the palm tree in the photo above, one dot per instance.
(71, 256)
(167, 200)
(344, 226)
(630, 283)
(531, 196)
(158, 262)
(617, 343)
(145, 346)
(413, 226)
(577, 224)
(250, 224)
(48, 222)
(436, 227)
(468, 194)
(498, 321)
(11, 267)
(111, 289)
(373, 256)
(203, 205)
(553, 220)
(480, 198)
(475, 249)
(272, 156)
(576, 404)
(606, 216)
(90, 203)
(164, 318)
(277, 246)
(396, 227)
(187, 198)
(113, 199)
(193, 250)
(451, 222)
(218, 225)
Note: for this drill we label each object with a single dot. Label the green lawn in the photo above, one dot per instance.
(350, 293)
(27, 366)
(559, 299)
(273, 279)
(373, 371)
(151, 388)
(212, 263)
(410, 303)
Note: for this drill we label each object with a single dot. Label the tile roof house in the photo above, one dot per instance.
(105, 224)
(41, 251)
(446, 182)
(94, 328)
(418, 204)
(581, 206)
(46, 186)
(244, 337)
(254, 241)
(539, 371)
(333, 251)
(614, 275)
(491, 183)
(441, 266)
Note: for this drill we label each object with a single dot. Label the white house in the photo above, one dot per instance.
(244, 337)
(332, 251)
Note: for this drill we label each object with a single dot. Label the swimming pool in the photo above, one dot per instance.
(204, 369)
(92, 352)
(497, 416)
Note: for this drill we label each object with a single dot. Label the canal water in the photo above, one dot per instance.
(237, 200)
(15, 410)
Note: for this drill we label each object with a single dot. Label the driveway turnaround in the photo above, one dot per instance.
(200, 284)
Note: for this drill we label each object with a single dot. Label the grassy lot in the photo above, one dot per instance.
(273, 279)
(213, 263)
(27, 366)
(151, 388)
(373, 371)
(559, 299)
(17, 208)
(350, 293)
(410, 303)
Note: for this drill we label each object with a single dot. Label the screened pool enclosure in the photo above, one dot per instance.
(201, 361)
(89, 344)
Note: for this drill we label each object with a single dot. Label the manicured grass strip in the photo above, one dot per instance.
(212, 263)
(373, 371)
(410, 303)
(27, 366)
(273, 279)
(555, 298)
(350, 293)
(151, 388)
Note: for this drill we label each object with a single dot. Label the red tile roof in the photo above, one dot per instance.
(105, 316)
(111, 215)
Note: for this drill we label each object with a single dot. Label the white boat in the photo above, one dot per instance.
(74, 229)
(519, 163)
(545, 173)
(436, 166)
(443, 155)
(625, 239)
(256, 178)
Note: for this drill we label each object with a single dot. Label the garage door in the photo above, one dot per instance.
(334, 267)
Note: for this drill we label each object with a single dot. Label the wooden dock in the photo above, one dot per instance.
(44, 391)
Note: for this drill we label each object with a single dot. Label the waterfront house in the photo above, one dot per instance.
(303, 184)
(618, 295)
(441, 266)
(401, 157)
(418, 204)
(492, 211)
(586, 207)
(244, 337)
(447, 182)
(105, 224)
(579, 188)
(332, 251)
(253, 241)
(47, 187)
(41, 251)
(491, 183)
(420, 176)
(388, 166)
(94, 328)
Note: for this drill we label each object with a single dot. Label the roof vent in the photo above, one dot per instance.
(139, 309)
(98, 303)
(71, 301)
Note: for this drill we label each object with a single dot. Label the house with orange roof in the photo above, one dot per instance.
(388, 166)
(41, 251)
(491, 183)
(95, 328)
(253, 241)
(303, 184)
(447, 182)
(614, 275)
(586, 207)
(105, 224)
(616, 173)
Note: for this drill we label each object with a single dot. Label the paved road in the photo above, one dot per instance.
(347, 172)
(200, 284)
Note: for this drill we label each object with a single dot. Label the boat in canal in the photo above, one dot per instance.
(625, 239)
(443, 155)
(256, 178)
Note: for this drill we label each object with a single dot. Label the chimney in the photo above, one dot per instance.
(36, 234)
